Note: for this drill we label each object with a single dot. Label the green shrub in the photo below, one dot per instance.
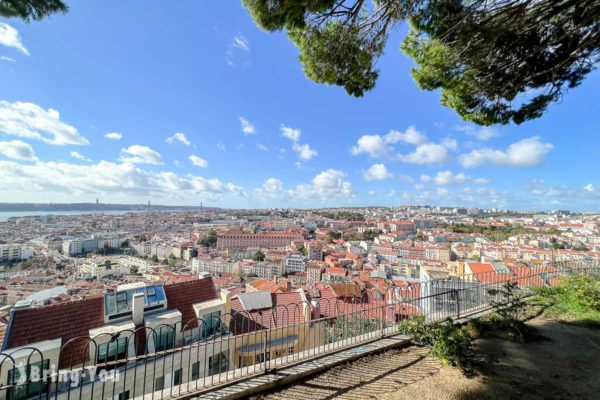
(448, 342)
(583, 291)
(575, 298)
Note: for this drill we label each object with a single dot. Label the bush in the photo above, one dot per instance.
(582, 290)
(575, 298)
(448, 342)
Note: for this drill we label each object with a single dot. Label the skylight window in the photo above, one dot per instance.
(118, 304)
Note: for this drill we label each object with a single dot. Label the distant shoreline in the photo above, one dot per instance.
(91, 207)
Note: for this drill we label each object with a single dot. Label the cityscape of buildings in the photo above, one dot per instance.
(96, 274)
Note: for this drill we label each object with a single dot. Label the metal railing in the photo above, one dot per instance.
(174, 360)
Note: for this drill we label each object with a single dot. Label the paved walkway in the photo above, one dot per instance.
(368, 378)
(294, 373)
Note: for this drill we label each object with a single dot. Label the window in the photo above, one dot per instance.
(195, 370)
(243, 362)
(159, 384)
(262, 357)
(123, 301)
(124, 395)
(112, 351)
(290, 351)
(118, 304)
(177, 377)
(151, 296)
(164, 338)
(212, 322)
(33, 383)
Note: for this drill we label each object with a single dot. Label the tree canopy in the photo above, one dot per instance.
(258, 256)
(209, 240)
(494, 61)
(31, 10)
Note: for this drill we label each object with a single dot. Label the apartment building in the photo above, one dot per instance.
(314, 271)
(267, 270)
(105, 331)
(78, 246)
(208, 264)
(101, 268)
(14, 252)
(294, 262)
(241, 240)
(314, 250)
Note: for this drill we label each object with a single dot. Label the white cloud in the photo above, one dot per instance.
(564, 196)
(328, 184)
(290, 133)
(178, 137)
(113, 136)
(10, 37)
(481, 181)
(138, 154)
(247, 127)
(221, 146)
(238, 51)
(105, 177)
(445, 178)
(524, 153)
(426, 154)
(198, 161)
(373, 145)
(377, 146)
(271, 187)
(262, 147)
(18, 150)
(28, 120)
(240, 42)
(371, 193)
(377, 172)
(411, 136)
(77, 155)
(304, 151)
(405, 179)
(4, 58)
(483, 134)
(442, 192)
(450, 144)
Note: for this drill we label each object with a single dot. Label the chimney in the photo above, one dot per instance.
(226, 299)
(137, 309)
(275, 279)
(288, 285)
(316, 309)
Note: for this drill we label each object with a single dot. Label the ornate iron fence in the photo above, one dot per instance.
(173, 360)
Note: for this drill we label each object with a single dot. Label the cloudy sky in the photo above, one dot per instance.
(192, 103)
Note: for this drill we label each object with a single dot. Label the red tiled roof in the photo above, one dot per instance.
(477, 268)
(67, 320)
(184, 295)
(287, 310)
(72, 319)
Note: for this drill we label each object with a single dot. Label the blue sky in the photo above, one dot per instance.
(259, 133)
